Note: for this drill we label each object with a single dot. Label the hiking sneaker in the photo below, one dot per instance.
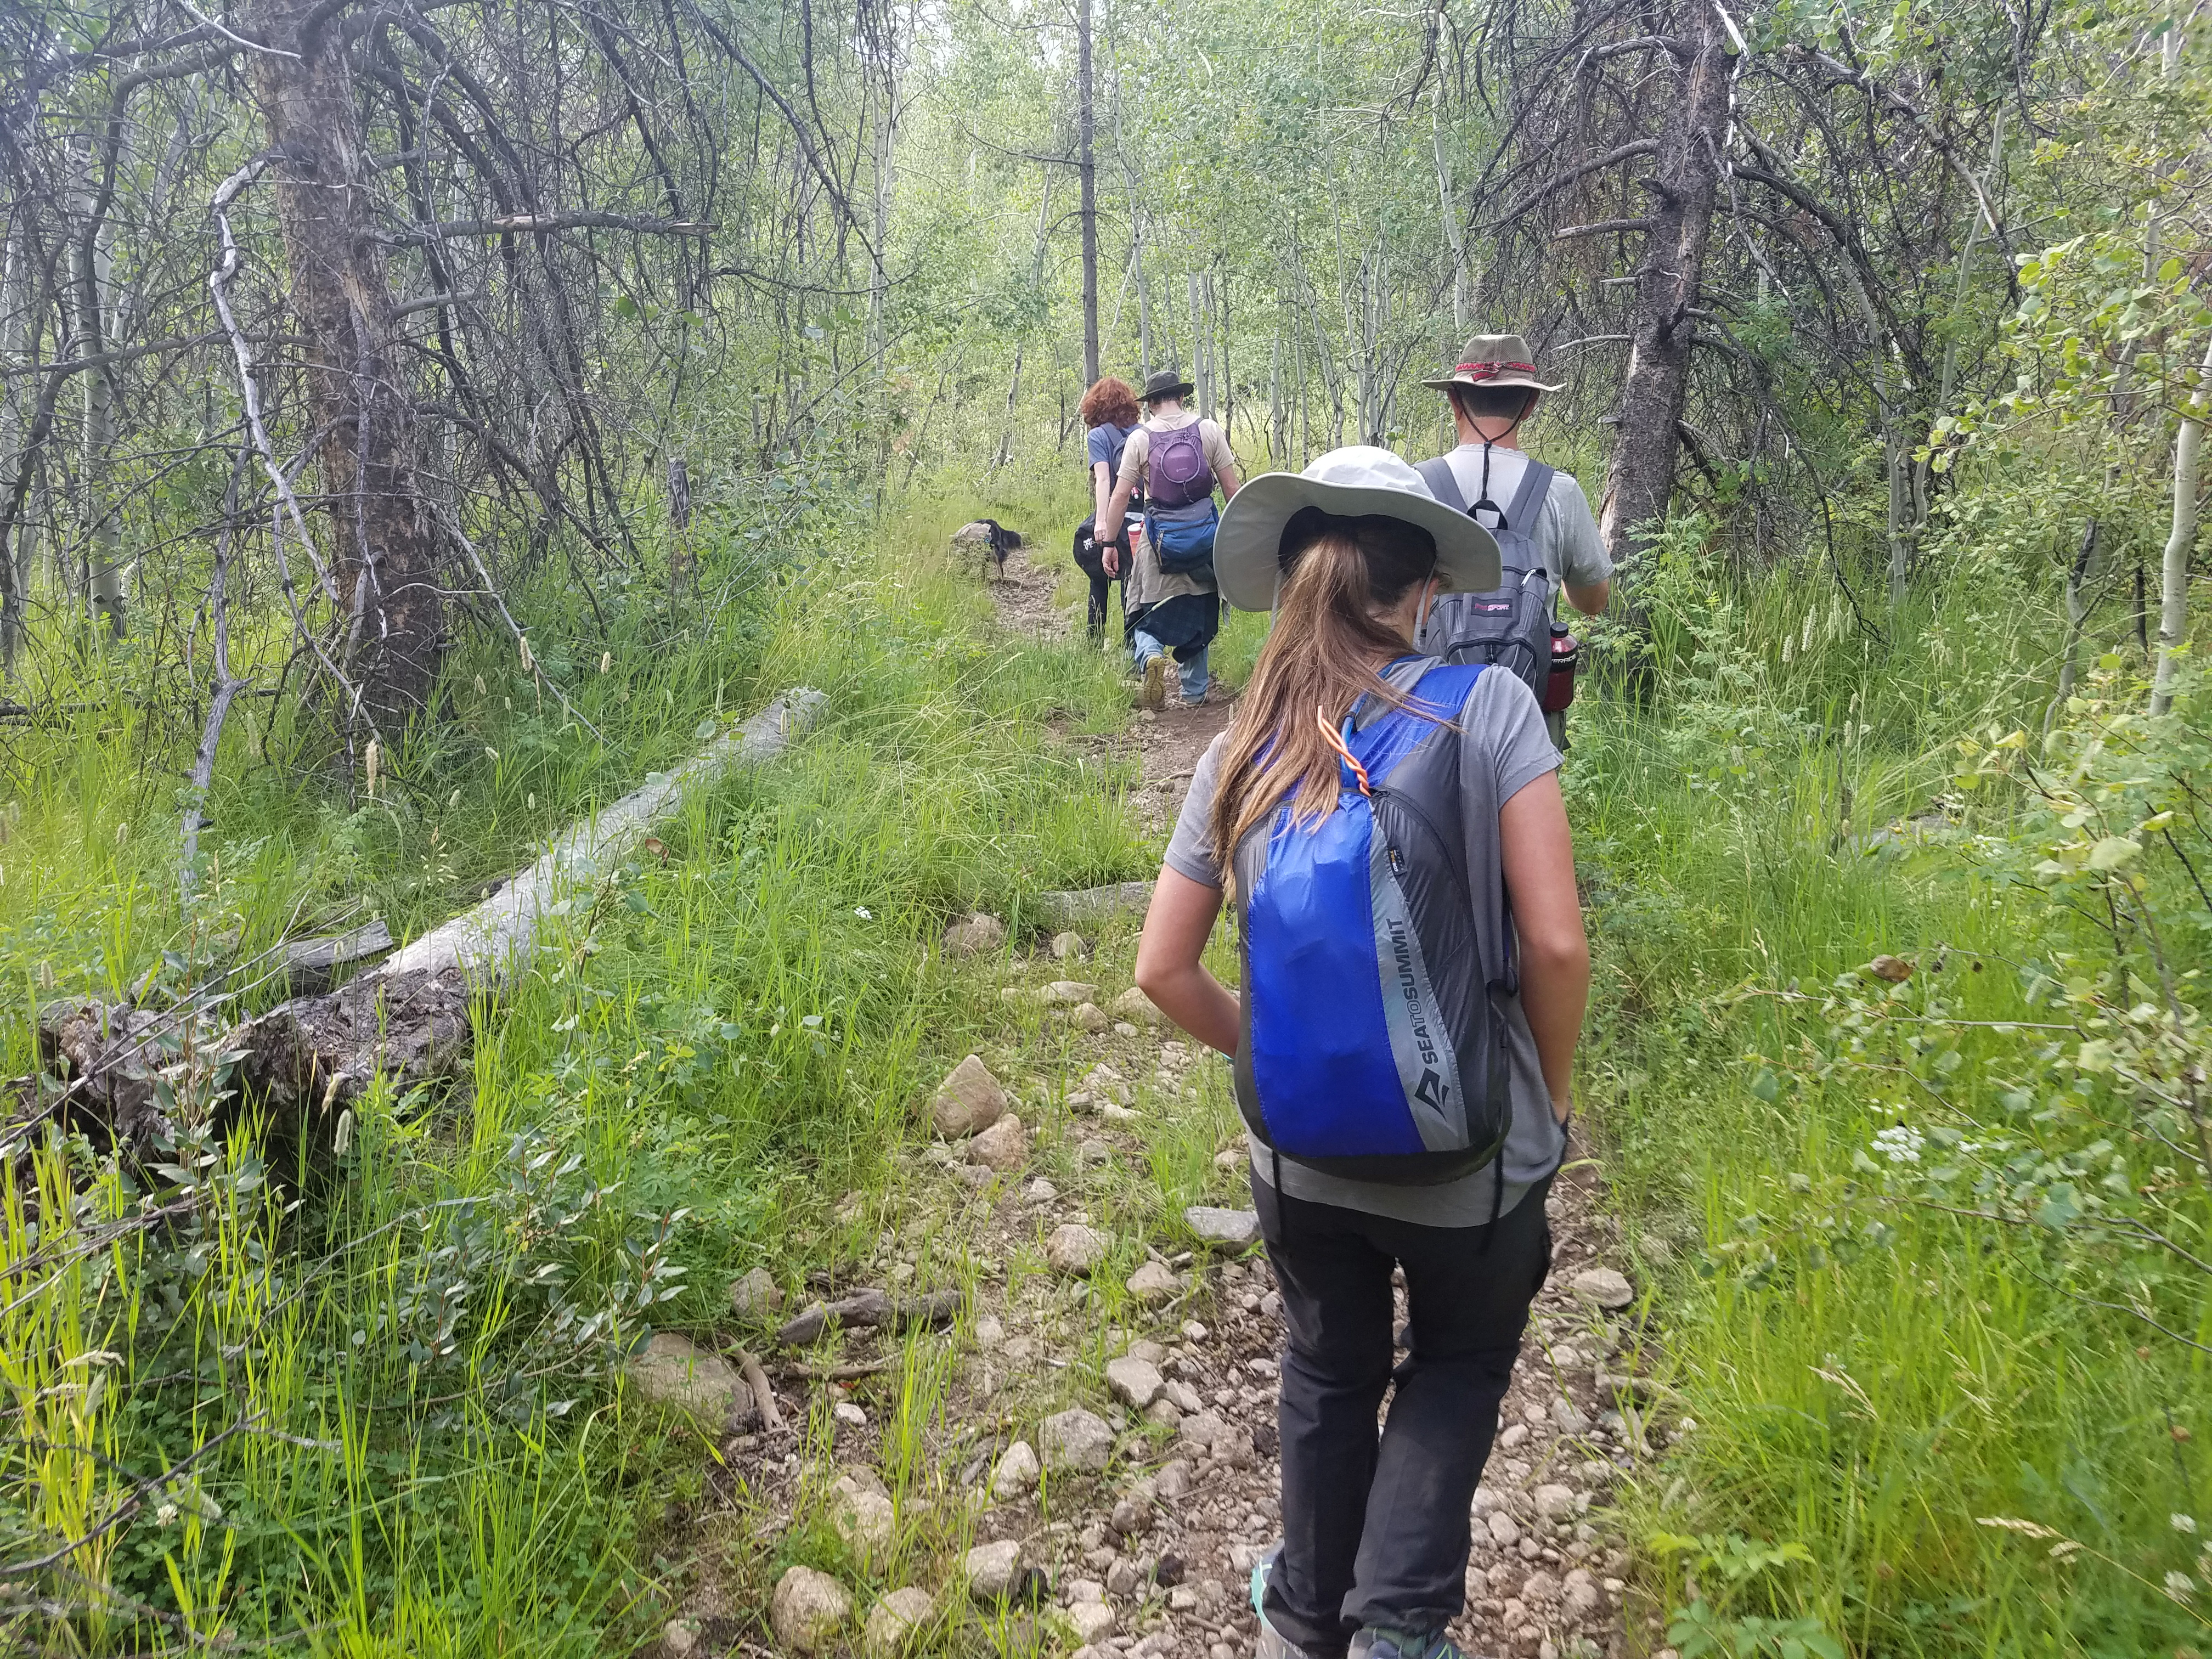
(1375, 1643)
(1273, 1644)
(1155, 693)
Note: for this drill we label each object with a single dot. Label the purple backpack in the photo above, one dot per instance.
(1176, 473)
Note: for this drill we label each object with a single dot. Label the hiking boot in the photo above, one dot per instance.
(1155, 693)
(1375, 1643)
(1273, 1644)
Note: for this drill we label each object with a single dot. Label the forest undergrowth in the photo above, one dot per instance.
(1891, 990)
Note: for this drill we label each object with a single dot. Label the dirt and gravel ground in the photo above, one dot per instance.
(1150, 1556)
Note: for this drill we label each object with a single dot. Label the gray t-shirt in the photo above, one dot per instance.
(1565, 533)
(1505, 749)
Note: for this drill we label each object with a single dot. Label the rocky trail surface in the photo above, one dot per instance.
(1039, 1416)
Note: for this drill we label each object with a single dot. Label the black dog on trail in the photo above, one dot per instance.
(991, 540)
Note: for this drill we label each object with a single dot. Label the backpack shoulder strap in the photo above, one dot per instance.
(1437, 475)
(1528, 500)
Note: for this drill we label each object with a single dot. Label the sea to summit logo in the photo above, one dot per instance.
(1431, 1092)
(1411, 989)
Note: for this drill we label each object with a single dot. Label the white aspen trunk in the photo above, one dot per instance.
(2173, 582)
(15, 555)
(1454, 239)
(1197, 370)
(1005, 451)
(1278, 443)
(1087, 174)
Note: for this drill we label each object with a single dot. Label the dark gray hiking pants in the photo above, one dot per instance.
(1377, 1532)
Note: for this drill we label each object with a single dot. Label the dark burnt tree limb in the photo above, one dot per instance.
(386, 551)
(1655, 388)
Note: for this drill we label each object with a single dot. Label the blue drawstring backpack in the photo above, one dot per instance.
(1374, 1047)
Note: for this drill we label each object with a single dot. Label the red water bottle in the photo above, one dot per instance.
(1567, 653)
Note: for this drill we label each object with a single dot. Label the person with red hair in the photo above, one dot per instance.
(1110, 411)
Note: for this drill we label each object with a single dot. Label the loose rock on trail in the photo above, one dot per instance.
(1101, 1474)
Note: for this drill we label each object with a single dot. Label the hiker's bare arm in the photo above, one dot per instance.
(1169, 966)
(1539, 856)
(1117, 512)
(1230, 483)
(1101, 491)
(1589, 600)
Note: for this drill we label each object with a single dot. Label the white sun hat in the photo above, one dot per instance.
(1350, 483)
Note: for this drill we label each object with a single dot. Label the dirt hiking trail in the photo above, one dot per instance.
(1103, 1475)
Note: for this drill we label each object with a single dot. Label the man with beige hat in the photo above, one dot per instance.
(1493, 388)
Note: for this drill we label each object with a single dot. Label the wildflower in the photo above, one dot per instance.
(864, 913)
(1900, 1145)
(2180, 1586)
(2182, 1522)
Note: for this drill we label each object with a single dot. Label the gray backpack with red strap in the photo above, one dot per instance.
(1511, 625)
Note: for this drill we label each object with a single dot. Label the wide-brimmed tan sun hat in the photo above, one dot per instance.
(1350, 483)
(1493, 359)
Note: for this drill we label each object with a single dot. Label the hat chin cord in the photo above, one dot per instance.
(1482, 495)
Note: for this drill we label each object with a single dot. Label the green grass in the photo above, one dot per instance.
(1871, 1378)
(391, 1408)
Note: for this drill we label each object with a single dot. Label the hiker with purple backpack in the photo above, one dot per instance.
(1173, 460)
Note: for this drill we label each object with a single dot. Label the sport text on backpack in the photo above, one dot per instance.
(1373, 1047)
(1511, 625)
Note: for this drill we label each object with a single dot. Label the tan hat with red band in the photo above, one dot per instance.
(1493, 359)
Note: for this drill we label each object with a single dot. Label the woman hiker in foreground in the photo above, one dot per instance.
(1414, 976)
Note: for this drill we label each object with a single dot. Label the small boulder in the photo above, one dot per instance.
(1093, 1621)
(1198, 1430)
(675, 1372)
(975, 934)
(1068, 993)
(808, 1609)
(1016, 1474)
(1604, 1287)
(993, 1570)
(1004, 1146)
(1152, 1284)
(895, 1622)
(1179, 1395)
(1134, 1006)
(1172, 1483)
(678, 1639)
(989, 1332)
(754, 1296)
(1232, 1447)
(1067, 946)
(969, 1099)
(864, 1520)
(1135, 1382)
(1554, 1502)
(1090, 1017)
(1233, 1230)
(1505, 1530)
(1075, 1440)
(1075, 1249)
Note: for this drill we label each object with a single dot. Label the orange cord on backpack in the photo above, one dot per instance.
(1336, 741)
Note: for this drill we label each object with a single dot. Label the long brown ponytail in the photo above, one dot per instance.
(1323, 654)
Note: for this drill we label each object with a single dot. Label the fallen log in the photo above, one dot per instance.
(407, 1018)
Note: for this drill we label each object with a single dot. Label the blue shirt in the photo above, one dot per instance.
(1106, 443)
